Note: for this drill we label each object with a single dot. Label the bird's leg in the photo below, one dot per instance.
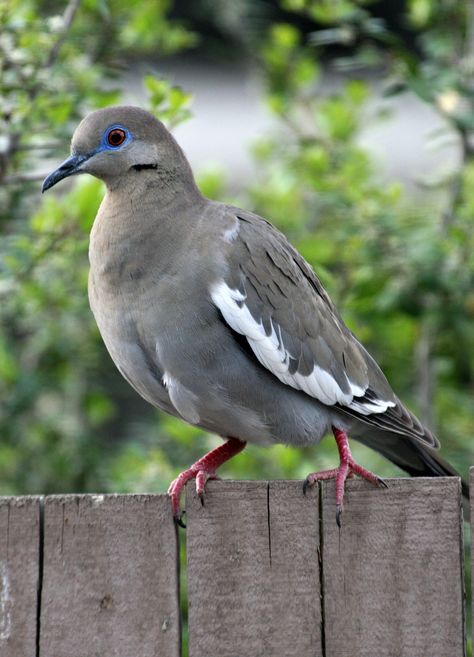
(347, 468)
(202, 471)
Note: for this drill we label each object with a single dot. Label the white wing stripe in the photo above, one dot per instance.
(272, 354)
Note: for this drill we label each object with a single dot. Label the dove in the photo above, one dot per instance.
(213, 316)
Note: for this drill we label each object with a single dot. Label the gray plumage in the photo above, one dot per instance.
(212, 316)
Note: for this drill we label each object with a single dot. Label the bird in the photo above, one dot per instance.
(212, 316)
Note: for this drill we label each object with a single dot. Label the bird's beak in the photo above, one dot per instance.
(69, 167)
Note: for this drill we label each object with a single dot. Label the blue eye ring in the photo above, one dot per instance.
(115, 137)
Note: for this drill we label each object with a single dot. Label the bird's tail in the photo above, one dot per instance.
(410, 455)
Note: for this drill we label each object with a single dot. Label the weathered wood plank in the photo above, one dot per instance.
(110, 578)
(19, 574)
(253, 571)
(392, 575)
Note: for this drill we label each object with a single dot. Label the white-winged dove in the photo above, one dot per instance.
(211, 315)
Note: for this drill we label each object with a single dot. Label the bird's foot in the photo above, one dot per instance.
(347, 468)
(202, 471)
(202, 476)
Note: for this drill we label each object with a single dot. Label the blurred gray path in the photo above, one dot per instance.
(230, 115)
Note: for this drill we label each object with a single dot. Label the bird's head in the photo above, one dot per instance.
(117, 142)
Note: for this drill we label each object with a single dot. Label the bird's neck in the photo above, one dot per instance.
(146, 225)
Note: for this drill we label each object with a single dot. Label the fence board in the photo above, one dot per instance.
(19, 574)
(253, 571)
(391, 577)
(110, 579)
(393, 574)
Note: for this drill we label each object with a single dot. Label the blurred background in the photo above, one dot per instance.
(349, 124)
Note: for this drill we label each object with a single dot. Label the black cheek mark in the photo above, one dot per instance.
(141, 167)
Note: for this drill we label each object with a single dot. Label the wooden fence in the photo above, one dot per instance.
(268, 573)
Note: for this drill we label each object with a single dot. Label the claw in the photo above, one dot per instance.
(382, 483)
(179, 519)
(339, 515)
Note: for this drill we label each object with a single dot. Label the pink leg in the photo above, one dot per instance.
(346, 469)
(202, 471)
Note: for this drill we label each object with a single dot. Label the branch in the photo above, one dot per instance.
(56, 239)
(469, 41)
(21, 178)
(44, 146)
(5, 158)
(467, 150)
(68, 18)
(425, 373)
(455, 192)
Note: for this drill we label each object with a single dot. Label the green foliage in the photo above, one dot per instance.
(168, 102)
(144, 27)
(401, 271)
(326, 11)
(59, 394)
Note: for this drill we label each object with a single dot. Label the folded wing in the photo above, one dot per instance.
(271, 296)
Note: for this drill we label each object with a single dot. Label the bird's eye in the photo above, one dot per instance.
(116, 137)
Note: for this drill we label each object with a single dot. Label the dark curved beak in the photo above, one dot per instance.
(69, 167)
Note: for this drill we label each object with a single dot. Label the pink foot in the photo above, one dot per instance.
(347, 468)
(202, 471)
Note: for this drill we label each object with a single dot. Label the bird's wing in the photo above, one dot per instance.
(271, 296)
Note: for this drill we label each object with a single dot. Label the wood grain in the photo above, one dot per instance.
(393, 584)
(19, 574)
(253, 571)
(110, 579)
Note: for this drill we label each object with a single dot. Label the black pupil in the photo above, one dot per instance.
(116, 137)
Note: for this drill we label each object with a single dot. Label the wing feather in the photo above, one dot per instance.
(271, 296)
